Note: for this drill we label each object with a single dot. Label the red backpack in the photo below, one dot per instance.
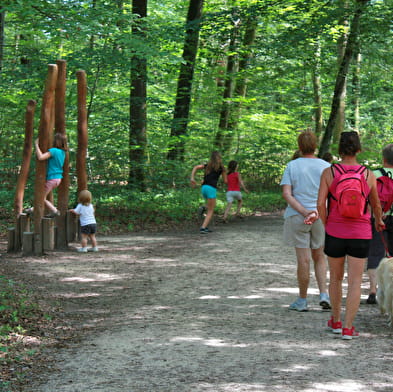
(350, 191)
(385, 189)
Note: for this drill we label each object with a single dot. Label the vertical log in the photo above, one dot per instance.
(82, 131)
(48, 234)
(11, 239)
(26, 158)
(28, 243)
(22, 225)
(60, 127)
(44, 136)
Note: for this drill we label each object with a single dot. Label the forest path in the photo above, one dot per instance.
(190, 312)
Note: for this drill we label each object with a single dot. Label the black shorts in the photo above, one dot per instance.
(341, 247)
(377, 247)
(89, 229)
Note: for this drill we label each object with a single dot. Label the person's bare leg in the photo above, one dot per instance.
(336, 268)
(372, 276)
(303, 270)
(320, 268)
(211, 204)
(239, 206)
(355, 274)
(226, 212)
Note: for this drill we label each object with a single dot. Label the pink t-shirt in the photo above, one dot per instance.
(349, 228)
(233, 182)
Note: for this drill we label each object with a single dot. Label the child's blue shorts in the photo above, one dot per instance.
(209, 192)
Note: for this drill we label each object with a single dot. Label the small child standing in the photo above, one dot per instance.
(234, 183)
(85, 210)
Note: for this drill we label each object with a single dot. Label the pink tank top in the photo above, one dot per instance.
(348, 228)
(233, 182)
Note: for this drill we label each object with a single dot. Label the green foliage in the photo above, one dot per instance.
(17, 308)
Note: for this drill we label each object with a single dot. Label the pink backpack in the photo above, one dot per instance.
(350, 191)
(385, 189)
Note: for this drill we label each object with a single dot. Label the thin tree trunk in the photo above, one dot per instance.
(138, 116)
(44, 140)
(241, 81)
(356, 93)
(224, 135)
(2, 38)
(316, 78)
(343, 41)
(81, 154)
(341, 76)
(184, 84)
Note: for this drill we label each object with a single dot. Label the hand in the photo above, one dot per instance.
(311, 217)
(380, 225)
(193, 183)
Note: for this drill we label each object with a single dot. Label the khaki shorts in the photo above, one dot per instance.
(300, 235)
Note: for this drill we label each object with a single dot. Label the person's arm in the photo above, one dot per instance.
(224, 176)
(40, 155)
(194, 169)
(326, 179)
(374, 202)
(290, 199)
(242, 184)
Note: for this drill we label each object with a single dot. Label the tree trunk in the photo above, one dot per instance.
(138, 120)
(241, 80)
(44, 140)
(316, 78)
(81, 154)
(2, 38)
(225, 133)
(184, 84)
(355, 117)
(342, 43)
(341, 76)
(27, 151)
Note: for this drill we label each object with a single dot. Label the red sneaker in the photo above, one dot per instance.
(336, 327)
(349, 333)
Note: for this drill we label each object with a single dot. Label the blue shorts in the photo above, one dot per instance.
(209, 192)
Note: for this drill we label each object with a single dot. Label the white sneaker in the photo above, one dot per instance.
(93, 249)
(82, 250)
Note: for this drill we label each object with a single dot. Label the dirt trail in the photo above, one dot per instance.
(190, 312)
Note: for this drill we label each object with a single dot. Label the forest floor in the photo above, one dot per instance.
(180, 311)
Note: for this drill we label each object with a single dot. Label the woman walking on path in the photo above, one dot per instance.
(347, 237)
(234, 181)
(212, 172)
(302, 228)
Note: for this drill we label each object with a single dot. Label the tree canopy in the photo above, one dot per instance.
(255, 59)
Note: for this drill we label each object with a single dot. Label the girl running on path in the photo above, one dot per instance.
(233, 193)
(212, 172)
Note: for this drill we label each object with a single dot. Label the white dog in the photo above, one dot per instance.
(385, 287)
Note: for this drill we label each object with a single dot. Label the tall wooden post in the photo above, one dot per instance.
(82, 131)
(60, 127)
(44, 139)
(26, 157)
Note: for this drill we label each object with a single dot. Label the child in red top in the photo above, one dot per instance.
(234, 183)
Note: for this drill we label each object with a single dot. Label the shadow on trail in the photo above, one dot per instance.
(190, 312)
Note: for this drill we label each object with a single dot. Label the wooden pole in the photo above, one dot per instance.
(60, 127)
(82, 131)
(44, 137)
(26, 158)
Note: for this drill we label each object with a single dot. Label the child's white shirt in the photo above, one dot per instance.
(86, 214)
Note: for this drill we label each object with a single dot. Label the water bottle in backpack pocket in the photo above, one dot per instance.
(350, 191)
